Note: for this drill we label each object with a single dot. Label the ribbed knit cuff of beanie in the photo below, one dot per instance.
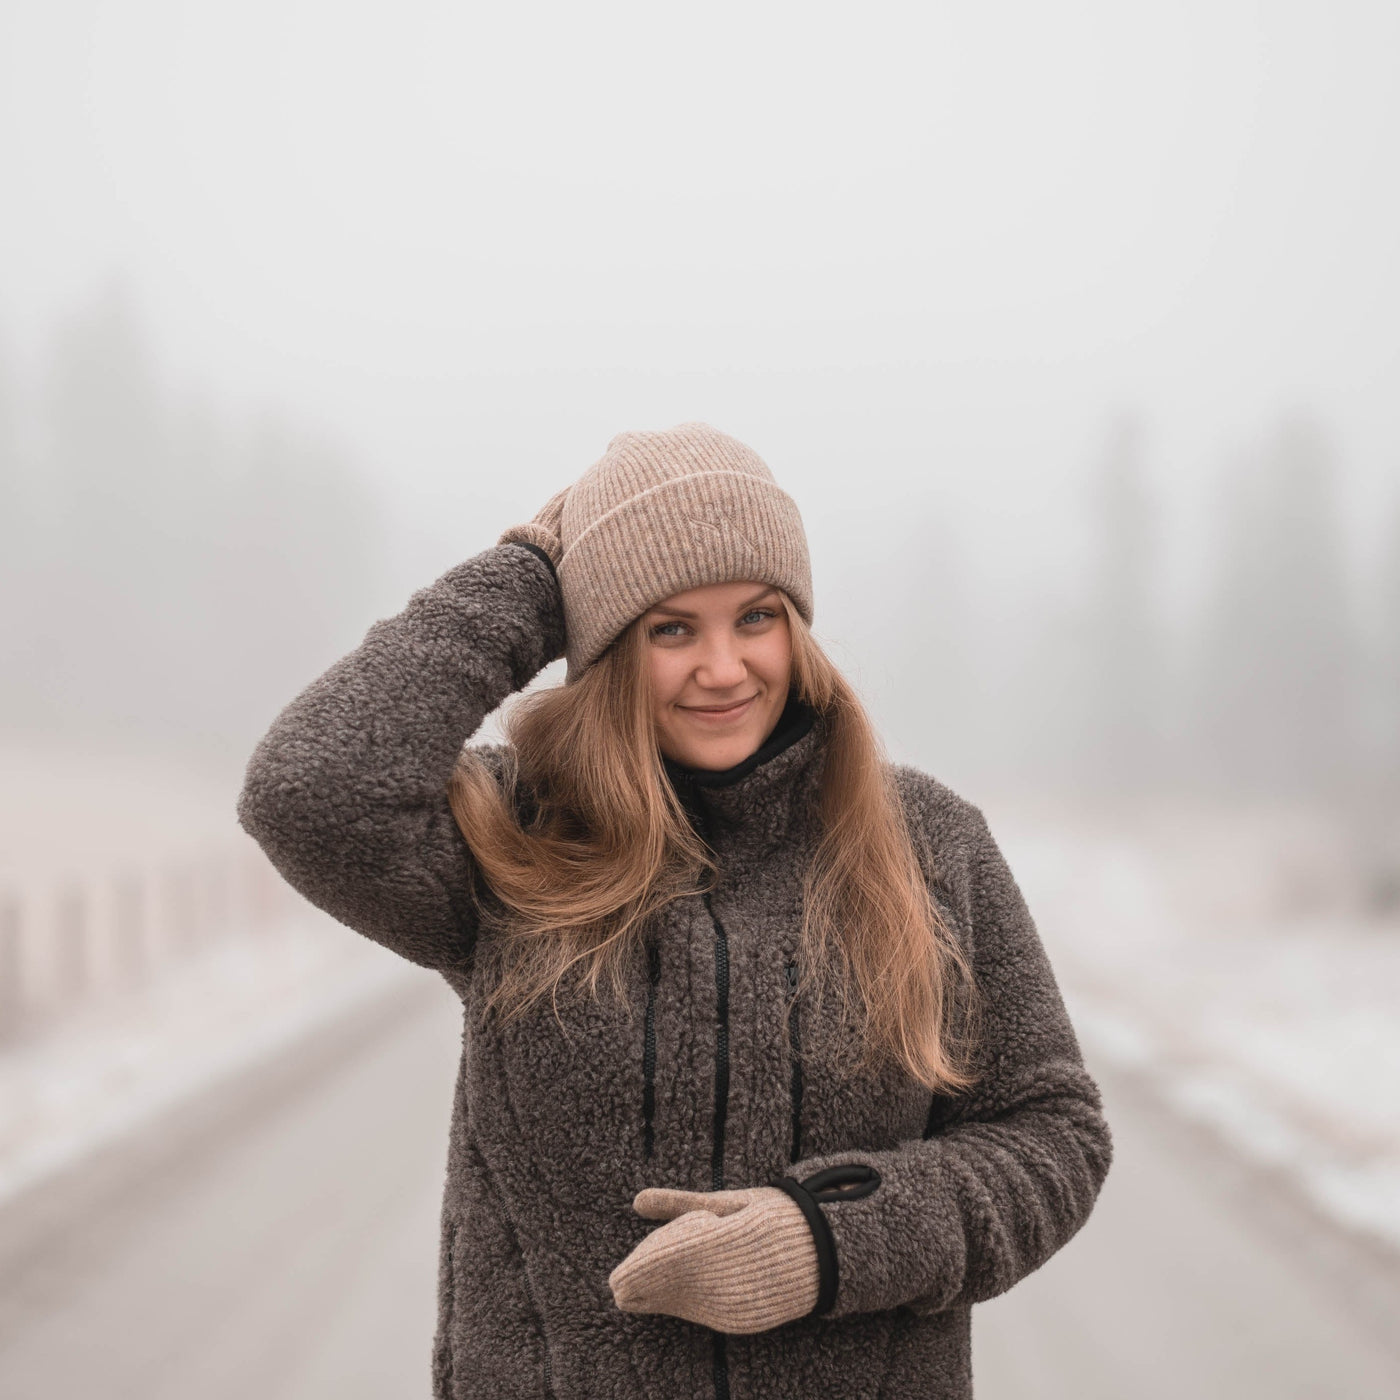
(736, 1261)
(660, 513)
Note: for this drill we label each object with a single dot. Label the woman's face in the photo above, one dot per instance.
(720, 660)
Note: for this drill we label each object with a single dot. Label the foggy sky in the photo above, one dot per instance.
(923, 258)
(435, 226)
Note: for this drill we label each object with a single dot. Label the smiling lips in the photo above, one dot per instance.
(716, 715)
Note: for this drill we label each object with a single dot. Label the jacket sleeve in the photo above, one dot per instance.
(347, 792)
(960, 1216)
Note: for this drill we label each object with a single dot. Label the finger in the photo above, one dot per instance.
(666, 1203)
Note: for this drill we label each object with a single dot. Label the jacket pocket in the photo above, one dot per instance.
(492, 1334)
(794, 1013)
(546, 1365)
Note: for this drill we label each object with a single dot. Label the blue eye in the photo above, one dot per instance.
(757, 612)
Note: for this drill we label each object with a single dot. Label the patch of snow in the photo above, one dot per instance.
(1201, 950)
(99, 1076)
(1366, 1198)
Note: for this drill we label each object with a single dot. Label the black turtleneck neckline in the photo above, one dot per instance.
(795, 721)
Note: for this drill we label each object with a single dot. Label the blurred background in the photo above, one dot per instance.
(1072, 330)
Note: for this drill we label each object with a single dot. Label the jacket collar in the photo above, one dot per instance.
(761, 797)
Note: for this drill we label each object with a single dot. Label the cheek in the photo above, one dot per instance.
(666, 679)
(773, 660)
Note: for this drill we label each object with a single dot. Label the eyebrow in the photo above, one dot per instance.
(690, 616)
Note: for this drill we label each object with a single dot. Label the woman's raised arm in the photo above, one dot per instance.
(347, 792)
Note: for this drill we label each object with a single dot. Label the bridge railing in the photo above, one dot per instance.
(82, 936)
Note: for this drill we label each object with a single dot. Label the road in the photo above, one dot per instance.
(288, 1251)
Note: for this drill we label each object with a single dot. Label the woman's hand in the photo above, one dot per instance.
(543, 530)
(736, 1261)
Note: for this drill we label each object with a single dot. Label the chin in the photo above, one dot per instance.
(719, 754)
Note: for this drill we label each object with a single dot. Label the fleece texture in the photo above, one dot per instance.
(718, 1073)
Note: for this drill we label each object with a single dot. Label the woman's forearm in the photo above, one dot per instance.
(347, 791)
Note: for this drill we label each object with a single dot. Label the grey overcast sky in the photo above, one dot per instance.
(929, 248)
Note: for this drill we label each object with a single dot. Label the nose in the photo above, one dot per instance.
(721, 663)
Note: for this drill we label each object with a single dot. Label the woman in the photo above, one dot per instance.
(765, 1077)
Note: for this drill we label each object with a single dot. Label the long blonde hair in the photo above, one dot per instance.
(608, 844)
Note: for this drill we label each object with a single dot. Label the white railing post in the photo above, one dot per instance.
(12, 965)
(131, 956)
(71, 944)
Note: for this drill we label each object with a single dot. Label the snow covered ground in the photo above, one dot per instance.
(1206, 952)
(148, 952)
(117, 1066)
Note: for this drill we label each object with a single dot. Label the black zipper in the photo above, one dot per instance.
(721, 1046)
(694, 805)
(795, 1043)
(649, 1051)
(721, 1365)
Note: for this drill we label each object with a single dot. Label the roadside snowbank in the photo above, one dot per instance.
(1198, 950)
(116, 1067)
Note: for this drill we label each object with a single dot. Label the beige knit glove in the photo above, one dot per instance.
(736, 1261)
(543, 530)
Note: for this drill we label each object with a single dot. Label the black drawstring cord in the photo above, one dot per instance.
(846, 1182)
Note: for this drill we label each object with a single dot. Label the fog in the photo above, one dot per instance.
(1071, 329)
(930, 265)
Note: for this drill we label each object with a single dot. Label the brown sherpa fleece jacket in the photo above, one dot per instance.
(716, 1076)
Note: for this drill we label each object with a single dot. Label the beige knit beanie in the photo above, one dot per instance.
(658, 513)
